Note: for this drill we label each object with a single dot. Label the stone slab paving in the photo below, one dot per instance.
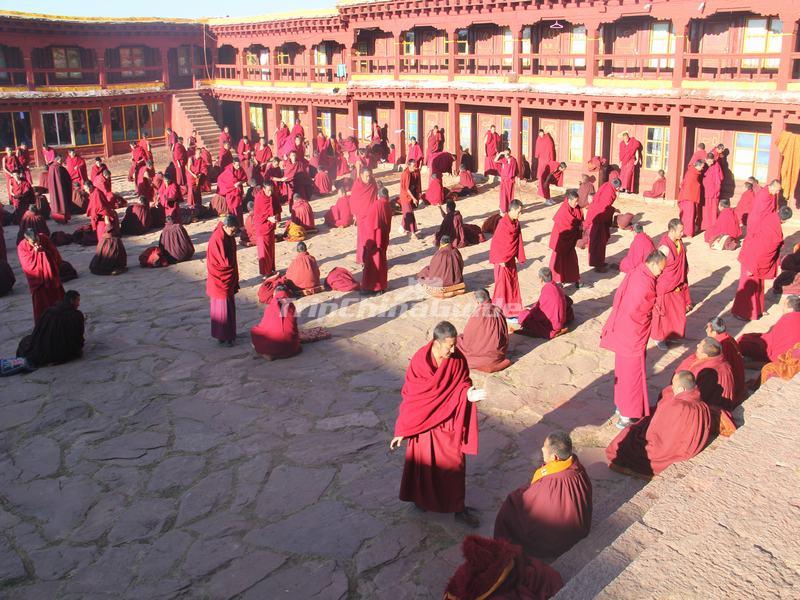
(163, 466)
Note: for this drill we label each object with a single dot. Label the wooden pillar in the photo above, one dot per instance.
(102, 78)
(454, 133)
(592, 52)
(516, 41)
(681, 29)
(191, 65)
(352, 117)
(399, 127)
(788, 41)
(277, 108)
(165, 66)
(312, 121)
(245, 119)
(516, 129)
(273, 69)
(677, 142)
(309, 63)
(27, 60)
(37, 136)
(778, 127)
(589, 131)
(452, 46)
(108, 139)
(398, 41)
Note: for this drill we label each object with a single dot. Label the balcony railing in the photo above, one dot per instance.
(424, 64)
(737, 67)
(484, 64)
(134, 74)
(635, 66)
(12, 76)
(297, 73)
(373, 65)
(69, 76)
(227, 71)
(552, 65)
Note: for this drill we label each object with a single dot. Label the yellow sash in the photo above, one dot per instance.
(551, 469)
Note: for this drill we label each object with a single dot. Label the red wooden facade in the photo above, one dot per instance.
(670, 73)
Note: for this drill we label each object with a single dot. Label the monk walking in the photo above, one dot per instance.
(223, 279)
(484, 341)
(439, 420)
(410, 190)
(599, 217)
(553, 512)
(712, 186)
(40, 261)
(630, 157)
(363, 194)
(544, 152)
(59, 191)
(626, 333)
(504, 252)
(672, 291)
(567, 226)
(378, 228)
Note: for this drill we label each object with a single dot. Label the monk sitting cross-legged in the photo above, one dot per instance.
(439, 419)
(716, 328)
(453, 226)
(443, 277)
(549, 315)
(788, 281)
(303, 272)
(681, 426)
(764, 347)
(713, 374)
(58, 336)
(484, 342)
(725, 233)
(552, 513)
(277, 336)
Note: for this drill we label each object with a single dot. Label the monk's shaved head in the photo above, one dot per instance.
(445, 240)
(709, 347)
(482, 295)
(674, 224)
(717, 325)
(655, 258)
(724, 203)
(559, 444)
(545, 274)
(515, 205)
(301, 247)
(683, 381)
(638, 228)
(784, 213)
(451, 206)
(443, 331)
(793, 303)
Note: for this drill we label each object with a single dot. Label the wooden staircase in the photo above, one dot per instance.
(195, 111)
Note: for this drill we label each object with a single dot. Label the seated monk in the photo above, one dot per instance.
(444, 276)
(497, 569)
(175, 243)
(766, 347)
(484, 342)
(340, 215)
(302, 214)
(466, 184)
(659, 187)
(585, 190)
(137, 219)
(294, 232)
(322, 182)
(716, 328)
(549, 315)
(724, 234)
(678, 429)
(31, 219)
(110, 257)
(788, 281)
(552, 513)
(303, 274)
(786, 366)
(453, 226)
(713, 374)
(57, 336)
(640, 249)
(436, 193)
(277, 336)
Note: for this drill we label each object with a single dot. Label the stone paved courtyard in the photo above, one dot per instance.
(163, 465)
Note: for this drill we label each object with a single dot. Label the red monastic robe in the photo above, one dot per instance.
(265, 207)
(567, 223)
(743, 206)
(712, 185)
(303, 272)
(170, 197)
(628, 155)
(548, 316)
(491, 144)
(730, 350)
(688, 199)
(59, 192)
(375, 276)
(340, 215)
(277, 335)
(640, 249)
(759, 260)
(551, 174)
(669, 313)
(727, 223)
(484, 341)
(658, 190)
(714, 378)
(223, 269)
(504, 252)
(41, 268)
(362, 196)
(508, 177)
(770, 345)
(598, 219)
(441, 426)
(545, 153)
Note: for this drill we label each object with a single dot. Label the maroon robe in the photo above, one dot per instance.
(410, 188)
(233, 193)
(712, 186)
(549, 516)
(303, 273)
(491, 144)
(548, 316)
(41, 269)
(788, 282)
(763, 204)
(598, 219)
(672, 293)
(700, 155)
(277, 335)
(730, 350)
(77, 169)
(628, 156)
(504, 252)
(484, 341)
(508, 178)
(29, 220)
(688, 200)
(340, 215)
(714, 378)
(460, 235)
(567, 223)
(196, 174)
(545, 153)
(375, 276)
(265, 207)
(759, 261)
(584, 191)
(414, 153)
(170, 197)
(658, 189)
(441, 426)
(179, 158)
(59, 192)
(551, 174)
(726, 224)
(743, 206)
(770, 345)
(626, 333)
(640, 249)
(175, 243)
(445, 269)
(137, 220)
(362, 196)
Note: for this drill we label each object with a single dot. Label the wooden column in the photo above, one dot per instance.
(191, 65)
(778, 127)
(454, 133)
(592, 52)
(516, 129)
(452, 46)
(27, 60)
(680, 26)
(245, 119)
(398, 133)
(352, 118)
(788, 41)
(677, 142)
(100, 56)
(309, 63)
(312, 121)
(273, 59)
(165, 66)
(398, 40)
(37, 136)
(108, 139)
(516, 38)
(589, 131)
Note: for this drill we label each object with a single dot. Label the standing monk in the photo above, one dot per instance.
(40, 261)
(434, 144)
(544, 153)
(759, 259)
(266, 214)
(712, 186)
(672, 291)
(689, 197)
(76, 166)
(223, 280)
(765, 203)
(491, 144)
(363, 194)
(626, 332)
(504, 252)
(196, 175)
(225, 137)
(439, 419)
(598, 220)
(567, 225)
(410, 190)
(231, 185)
(179, 158)
(641, 247)
(745, 202)
(414, 151)
(630, 157)
(378, 227)
(507, 165)
(700, 154)
(552, 173)
(10, 166)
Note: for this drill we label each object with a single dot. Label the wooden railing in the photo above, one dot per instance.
(552, 65)
(635, 66)
(484, 64)
(373, 65)
(70, 76)
(732, 67)
(424, 64)
(12, 76)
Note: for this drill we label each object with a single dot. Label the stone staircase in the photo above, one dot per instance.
(189, 111)
(724, 524)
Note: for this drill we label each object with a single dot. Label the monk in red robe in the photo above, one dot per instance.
(378, 229)
(553, 512)
(138, 161)
(712, 186)
(439, 420)
(76, 166)
(567, 225)
(433, 143)
(552, 174)
(765, 203)
(444, 275)
(626, 333)
(763, 347)
(484, 342)
(22, 195)
(414, 151)
(507, 166)
(681, 426)
(266, 214)
(788, 281)
(59, 191)
(491, 145)
(277, 335)
(225, 157)
(340, 215)
(759, 257)
(362, 196)
(504, 252)
(179, 159)
(641, 247)
(58, 337)
(715, 328)
(302, 214)
(196, 177)
(263, 152)
(544, 152)
(410, 191)
(713, 374)
(745, 202)
(659, 187)
(174, 243)
(672, 291)
(726, 231)
(97, 168)
(689, 197)
(497, 569)
(243, 147)
(223, 280)
(453, 226)
(303, 272)
(630, 157)
(110, 256)
(700, 154)
(281, 135)
(230, 184)
(40, 261)
(466, 183)
(170, 197)
(31, 219)
(436, 194)
(585, 190)
(550, 314)
(225, 137)
(598, 221)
